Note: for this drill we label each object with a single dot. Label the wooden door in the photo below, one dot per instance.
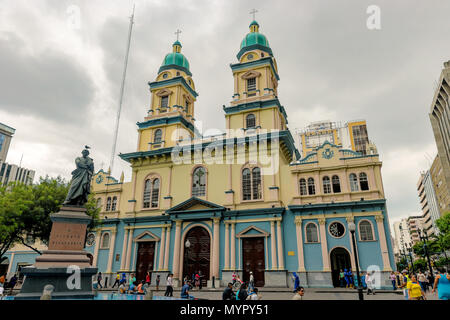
(145, 258)
(197, 255)
(253, 259)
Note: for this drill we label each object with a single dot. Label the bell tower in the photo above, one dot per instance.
(170, 116)
(255, 103)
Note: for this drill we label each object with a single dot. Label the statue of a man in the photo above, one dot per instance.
(80, 186)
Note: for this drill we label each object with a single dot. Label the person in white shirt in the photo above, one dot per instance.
(169, 289)
(300, 292)
(370, 279)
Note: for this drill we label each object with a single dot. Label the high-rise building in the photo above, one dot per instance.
(13, 173)
(414, 223)
(6, 134)
(402, 237)
(441, 188)
(351, 135)
(428, 203)
(439, 116)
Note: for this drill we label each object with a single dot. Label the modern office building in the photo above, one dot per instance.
(402, 238)
(440, 121)
(351, 135)
(428, 203)
(6, 134)
(441, 188)
(13, 173)
(414, 223)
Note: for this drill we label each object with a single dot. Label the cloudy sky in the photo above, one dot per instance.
(61, 66)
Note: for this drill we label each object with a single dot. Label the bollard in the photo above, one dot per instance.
(213, 282)
(47, 292)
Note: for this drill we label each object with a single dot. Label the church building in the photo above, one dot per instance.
(243, 201)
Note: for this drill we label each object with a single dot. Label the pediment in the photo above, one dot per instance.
(251, 74)
(251, 232)
(146, 236)
(195, 204)
(164, 92)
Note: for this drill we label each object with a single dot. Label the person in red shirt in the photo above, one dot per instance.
(147, 278)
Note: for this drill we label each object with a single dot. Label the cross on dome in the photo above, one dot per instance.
(178, 33)
(253, 12)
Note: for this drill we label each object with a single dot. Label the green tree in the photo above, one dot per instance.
(420, 264)
(25, 212)
(443, 223)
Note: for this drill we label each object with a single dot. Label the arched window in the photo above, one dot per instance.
(199, 182)
(155, 193)
(105, 241)
(311, 233)
(326, 185)
(251, 184)
(336, 184)
(147, 190)
(108, 204)
(250, 121)
(354, 182)
(363, 182)
(303, 190)
(256, 183)
(114, 204)
(365, 231)
(311, 186)
(246, 184)
(157, 137)
(99, 202)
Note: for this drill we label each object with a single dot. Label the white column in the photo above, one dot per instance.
(176, 253)
(162, 243)
(111, 251)
(166, 255)
(155, 265)
(233, 246)
(324, 245)
(352, 256)
(280, 247)
(227, 247)
(216, 250)
(273, 246)
(130, 242)
(11, 260)
(299, 231)
(124, 250)
(97, 247)
(383, 243)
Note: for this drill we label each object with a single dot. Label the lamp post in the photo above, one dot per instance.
(409, 248)
(352, 228)
(424, 238)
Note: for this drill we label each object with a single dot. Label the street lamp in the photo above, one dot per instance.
(409, 248)
(424, 238)
(352, 228)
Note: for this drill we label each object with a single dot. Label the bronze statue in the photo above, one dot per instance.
(80, 186)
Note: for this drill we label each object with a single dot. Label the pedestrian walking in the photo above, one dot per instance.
(393, 280)
(347, 278)
(422, 280)
(341, 278)
(117, 280)
(158, 279)
(252, 281)
(296, 281)
(415, 291)
(299, 294)
(233, 278)
(99, 280)
(200, 280)
(123, 278)
(442, 284)
(228, 293)
(147, 278)
(197, 280)
(242, 294)
(404, 283)
(370, 282)
(169, 288)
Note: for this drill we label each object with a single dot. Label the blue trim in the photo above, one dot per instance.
(273, 188)
(166, 121)
(174, 66)
(229, 191)
(255, 105)
(253, 212)
(305, 209)
(175, 80)
(256, 46)
(132, 201)
(262, 61)
(169, 197)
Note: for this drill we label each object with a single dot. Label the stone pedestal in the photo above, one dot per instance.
(65, 264)
(275, 279)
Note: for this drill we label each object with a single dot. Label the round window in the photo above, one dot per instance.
(250, 56)
(337, 229)
(165, 75)
(90, 240)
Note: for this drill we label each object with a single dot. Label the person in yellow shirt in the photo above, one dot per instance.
(415, 291)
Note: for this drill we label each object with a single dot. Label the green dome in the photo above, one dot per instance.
(176, 58)
(253, 38)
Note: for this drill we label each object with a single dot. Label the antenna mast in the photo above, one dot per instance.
(116, 131)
